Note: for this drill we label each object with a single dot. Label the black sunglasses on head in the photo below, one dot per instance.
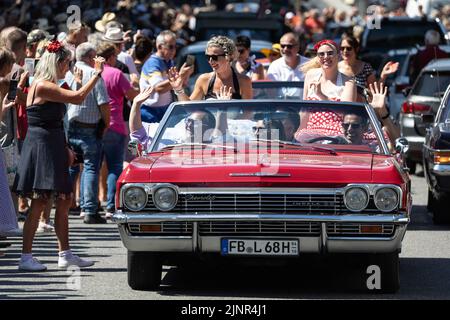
(214, 57)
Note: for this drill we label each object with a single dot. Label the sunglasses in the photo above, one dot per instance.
(326, 53)
(353, 125)
(214, 57)
(287, 46)
(346, 49)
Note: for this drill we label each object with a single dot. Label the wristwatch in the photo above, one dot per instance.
(387, 115)
(97, 74)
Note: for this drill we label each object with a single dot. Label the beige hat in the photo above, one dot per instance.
(100, 25)
(114, 35)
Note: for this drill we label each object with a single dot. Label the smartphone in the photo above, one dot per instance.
(12, 92)
(190, 60)
(30, 65)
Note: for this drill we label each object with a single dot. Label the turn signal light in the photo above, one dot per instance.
(150, 227)
(442, 157)
(371, 229)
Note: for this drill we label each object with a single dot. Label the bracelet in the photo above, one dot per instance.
(386, 116)
(97, 74)
(178, 92)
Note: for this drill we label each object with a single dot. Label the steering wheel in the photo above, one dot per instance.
(334, 140)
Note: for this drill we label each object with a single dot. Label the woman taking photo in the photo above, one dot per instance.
(220, 53)
(43, 169)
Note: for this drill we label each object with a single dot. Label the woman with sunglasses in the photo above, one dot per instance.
(323, 81)
(362, 71)
(220, 53)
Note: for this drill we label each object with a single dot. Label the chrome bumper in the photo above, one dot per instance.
(442, 170)
(308, 244)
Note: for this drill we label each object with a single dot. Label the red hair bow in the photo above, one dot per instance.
(54, 46)
(326, 41)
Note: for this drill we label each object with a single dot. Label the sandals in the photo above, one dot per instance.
(22, 215)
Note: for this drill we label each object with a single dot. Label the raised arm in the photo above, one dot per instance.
(135, 113)
(51, 92)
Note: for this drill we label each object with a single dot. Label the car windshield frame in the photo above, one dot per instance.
(384, 150)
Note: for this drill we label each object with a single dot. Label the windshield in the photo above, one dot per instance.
(242, 124)
(432, 84)
(278, 90)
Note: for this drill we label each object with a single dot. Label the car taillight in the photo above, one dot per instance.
(441, 157)
(416, 108)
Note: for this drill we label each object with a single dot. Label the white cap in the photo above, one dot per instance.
(289, 15)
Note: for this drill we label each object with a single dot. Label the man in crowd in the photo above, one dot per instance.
(83, 133)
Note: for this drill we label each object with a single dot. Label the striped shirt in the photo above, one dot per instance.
(88, 111)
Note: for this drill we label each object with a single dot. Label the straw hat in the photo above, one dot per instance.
(276, 49)
(100, 25)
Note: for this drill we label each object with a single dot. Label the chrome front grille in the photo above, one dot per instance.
(331, 204)
(268, 228)
(354, 229)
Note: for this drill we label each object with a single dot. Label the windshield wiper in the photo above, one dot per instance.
(300, 145)
(202, 145)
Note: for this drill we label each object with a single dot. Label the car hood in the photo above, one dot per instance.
(253, 169)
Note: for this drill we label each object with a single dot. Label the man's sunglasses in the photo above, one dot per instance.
(170, 47)
(353, 125)
(214, 57)
(288, 46)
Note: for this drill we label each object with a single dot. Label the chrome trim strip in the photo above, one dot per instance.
(402, 218)
(261, 174)
(324, 238)
(195, 236)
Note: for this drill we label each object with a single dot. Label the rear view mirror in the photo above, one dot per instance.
(427, 118)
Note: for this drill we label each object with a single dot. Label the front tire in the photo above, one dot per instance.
(412, 166)
(439, 208)
(144, 270)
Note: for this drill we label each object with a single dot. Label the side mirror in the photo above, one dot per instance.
(427, 118)
(135, 148)
(401, 145)
(406, 91)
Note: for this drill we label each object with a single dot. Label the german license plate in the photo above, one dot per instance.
(259, 247)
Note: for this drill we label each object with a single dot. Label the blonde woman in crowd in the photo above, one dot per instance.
(43, 169)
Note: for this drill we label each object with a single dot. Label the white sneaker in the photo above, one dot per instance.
(45, 227)
(108, 215)
(74, 260)
(32, 264)
(82, 214)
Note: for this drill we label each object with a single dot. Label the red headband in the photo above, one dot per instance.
(54, 46)
(326, 41)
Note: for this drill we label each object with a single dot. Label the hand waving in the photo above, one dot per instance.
(143, 95)
(99, 63)
(224, 93)
(389, 68)
(379, 92)
(175, 79)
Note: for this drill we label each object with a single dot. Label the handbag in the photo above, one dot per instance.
(11, 155)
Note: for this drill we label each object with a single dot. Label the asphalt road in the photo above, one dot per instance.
(424, 270)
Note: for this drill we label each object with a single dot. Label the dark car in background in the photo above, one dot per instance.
(396, 33)
(231, 24)
(423, 99)
(436, 162)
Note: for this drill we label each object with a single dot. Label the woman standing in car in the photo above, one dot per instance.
(220, 53)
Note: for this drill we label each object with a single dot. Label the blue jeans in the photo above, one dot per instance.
(151, 114)
(83, 140)
(113, 149)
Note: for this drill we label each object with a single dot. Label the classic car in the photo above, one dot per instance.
(436, 162)
(248, 179)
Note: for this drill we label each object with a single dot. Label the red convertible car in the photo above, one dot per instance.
(265, 179)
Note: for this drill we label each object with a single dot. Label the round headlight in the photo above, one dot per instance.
(386, 199)
(135, 198)
(165, 198)
(356, 199)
